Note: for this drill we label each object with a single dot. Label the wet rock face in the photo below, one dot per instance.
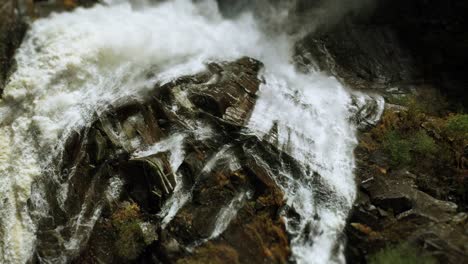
(12, 30)
(400, 42)
(365, 56)
(174, 167)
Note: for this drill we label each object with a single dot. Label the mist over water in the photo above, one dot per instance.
(73, 66)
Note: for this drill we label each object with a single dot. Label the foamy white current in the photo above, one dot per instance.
(73, 65)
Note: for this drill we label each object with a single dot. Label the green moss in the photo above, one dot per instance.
(401, 254)
(126, 213)
(129, 241)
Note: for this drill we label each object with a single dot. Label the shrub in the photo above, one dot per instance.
(398, 148)
(389, 121)
(401, 254)
(457, 127)
(423, 143)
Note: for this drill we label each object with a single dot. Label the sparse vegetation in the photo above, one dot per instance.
(426, 139)
(406, 148)
(402, 136)
(401, 254)
(423, 144)
(427, 100)
(457, 127)
(398, 148)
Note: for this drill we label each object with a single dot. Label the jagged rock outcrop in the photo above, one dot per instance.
(186, 142)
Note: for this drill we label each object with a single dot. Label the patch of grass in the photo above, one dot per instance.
(401, 254)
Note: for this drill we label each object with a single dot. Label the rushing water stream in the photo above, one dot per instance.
(73, 65)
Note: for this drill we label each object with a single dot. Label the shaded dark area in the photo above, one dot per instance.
(435, 32)
(402, 42)
(375, 44)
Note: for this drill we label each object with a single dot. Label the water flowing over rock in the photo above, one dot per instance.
(134, 134)
(103, 153)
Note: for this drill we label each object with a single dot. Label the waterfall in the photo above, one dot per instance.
(73, 66)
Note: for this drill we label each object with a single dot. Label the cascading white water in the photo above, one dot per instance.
(73, 65)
